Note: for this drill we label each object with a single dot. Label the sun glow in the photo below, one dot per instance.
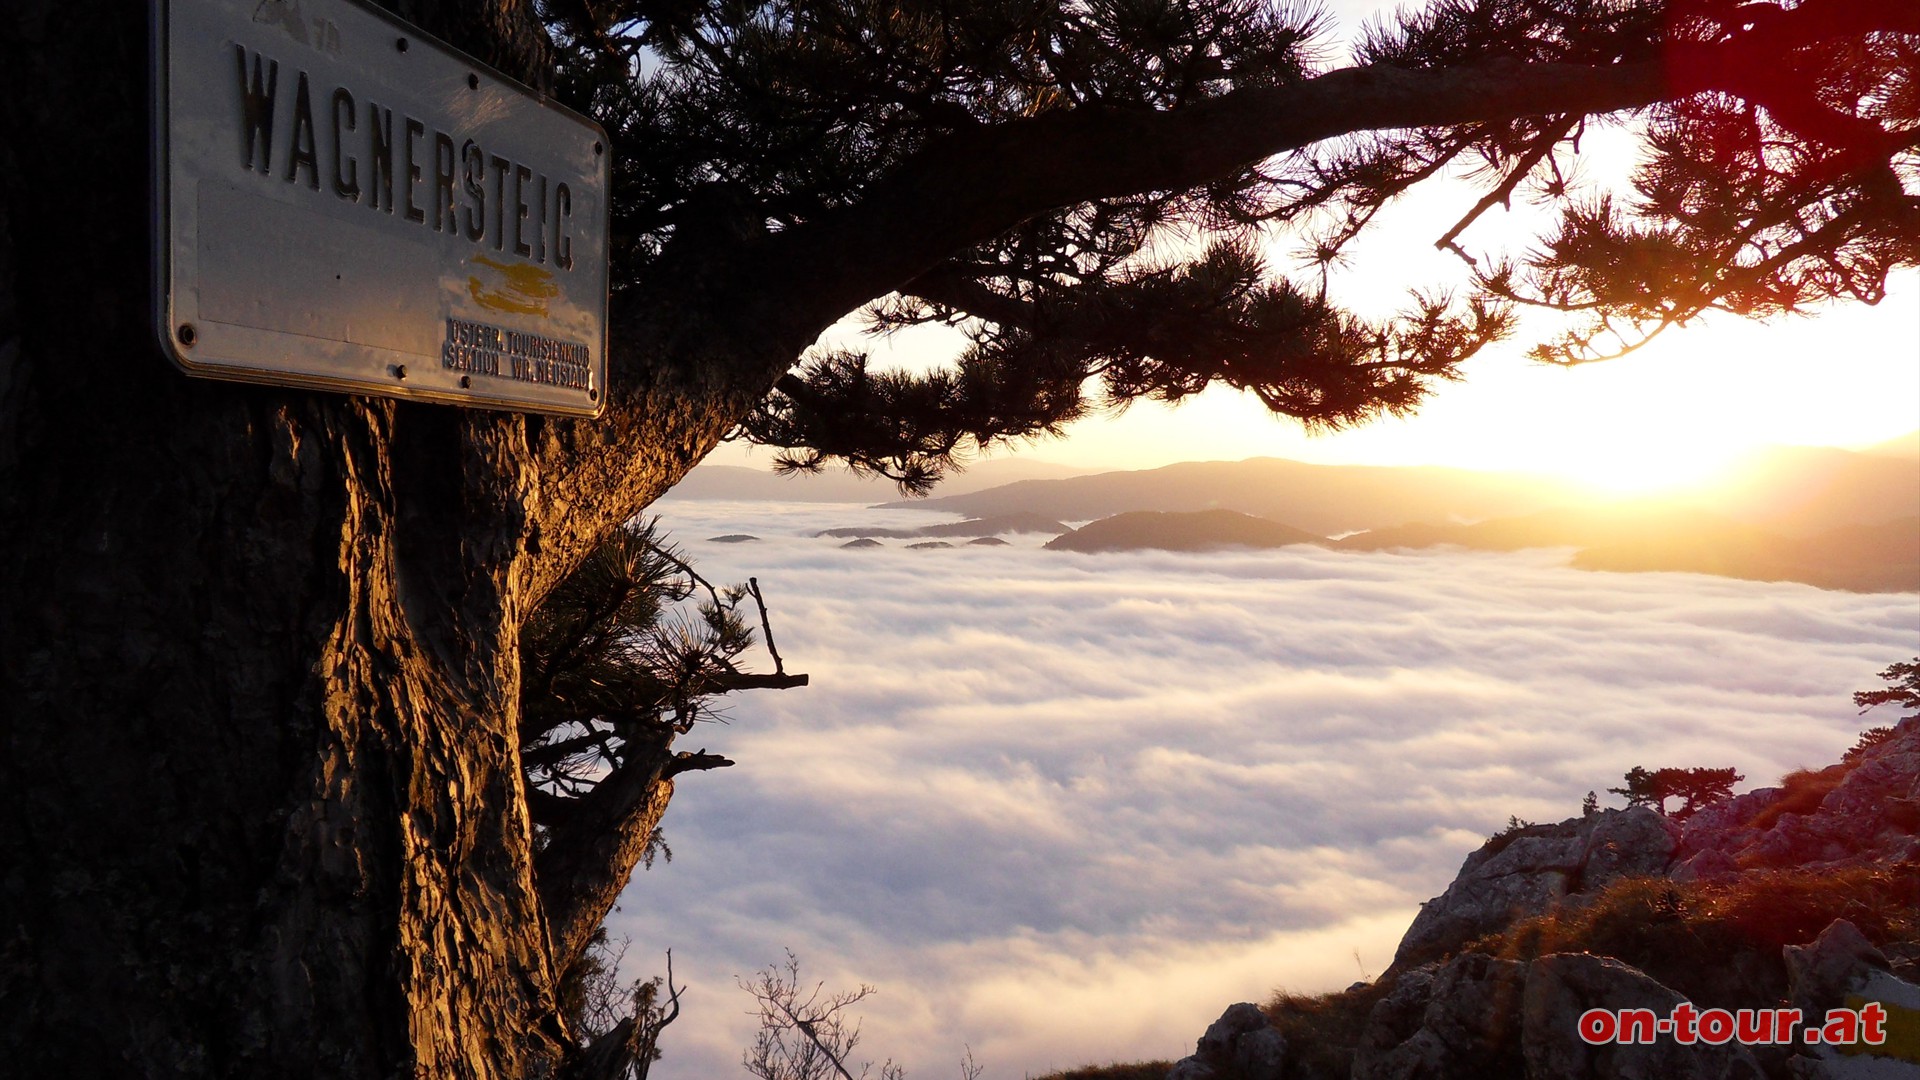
(1678, 415)
(1673, 416)
(1665, 462)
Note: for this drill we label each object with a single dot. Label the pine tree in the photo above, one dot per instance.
(261, 648)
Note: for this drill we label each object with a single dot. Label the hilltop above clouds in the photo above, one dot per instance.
(1322, 499)
(1789, 490)
(1831, 518)
(1883, 557)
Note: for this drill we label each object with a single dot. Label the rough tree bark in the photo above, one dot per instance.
(262, 809)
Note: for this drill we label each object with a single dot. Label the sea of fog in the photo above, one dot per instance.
(1064, 808)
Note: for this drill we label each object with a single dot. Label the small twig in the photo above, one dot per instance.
(666, 553)
(766, 627)
(649, 1038)
(1503, 193)
(805, 1027)
(673, 998)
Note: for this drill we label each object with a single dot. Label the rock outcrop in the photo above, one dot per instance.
(1527, 871)
(1239, 1044)
(1842, 969)
(1861, 813)
(1460, 1018)
(1563, 986)
(1448, 1008)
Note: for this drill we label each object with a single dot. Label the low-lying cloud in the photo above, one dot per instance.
(1065, 808)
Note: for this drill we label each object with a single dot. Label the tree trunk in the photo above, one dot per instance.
(258, 672)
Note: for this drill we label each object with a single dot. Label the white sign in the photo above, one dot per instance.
(342, 203)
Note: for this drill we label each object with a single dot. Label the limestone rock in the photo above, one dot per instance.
(1526, 873)
(1501, 882)
(1241, 1045)
(1474, 1016)
(1475, 1010)
(1261, 1055)
(1626, 843)
(1871, 816)
(1842, 969)
(1821, 974)
(1562, 986)
(1467, 1023)
(1395, 1020)
(1709, 865)
(1802, 1067)
(1191, 1068)
(1723, 826)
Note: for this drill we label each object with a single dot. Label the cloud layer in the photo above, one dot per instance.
(1065, 808)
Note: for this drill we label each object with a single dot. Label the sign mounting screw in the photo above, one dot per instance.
(187, 334)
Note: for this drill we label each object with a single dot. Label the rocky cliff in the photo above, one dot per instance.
(1805, 895)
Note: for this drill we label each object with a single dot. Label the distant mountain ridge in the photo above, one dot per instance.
(715, 481)
(1323, 499)
(1882, 557)
(1831, 518)
(1879, 557)
(1793, 490)
(1860, 558)
(1805, 489)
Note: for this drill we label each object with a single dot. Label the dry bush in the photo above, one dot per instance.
(1804, 790)
(1322, 1029)
(1138, 1070)
(1720, 941)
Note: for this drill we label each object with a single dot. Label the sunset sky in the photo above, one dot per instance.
(1671, 413)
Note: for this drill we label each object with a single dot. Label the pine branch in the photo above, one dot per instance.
(872, 233)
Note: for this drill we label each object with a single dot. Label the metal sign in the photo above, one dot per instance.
(342, 203)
